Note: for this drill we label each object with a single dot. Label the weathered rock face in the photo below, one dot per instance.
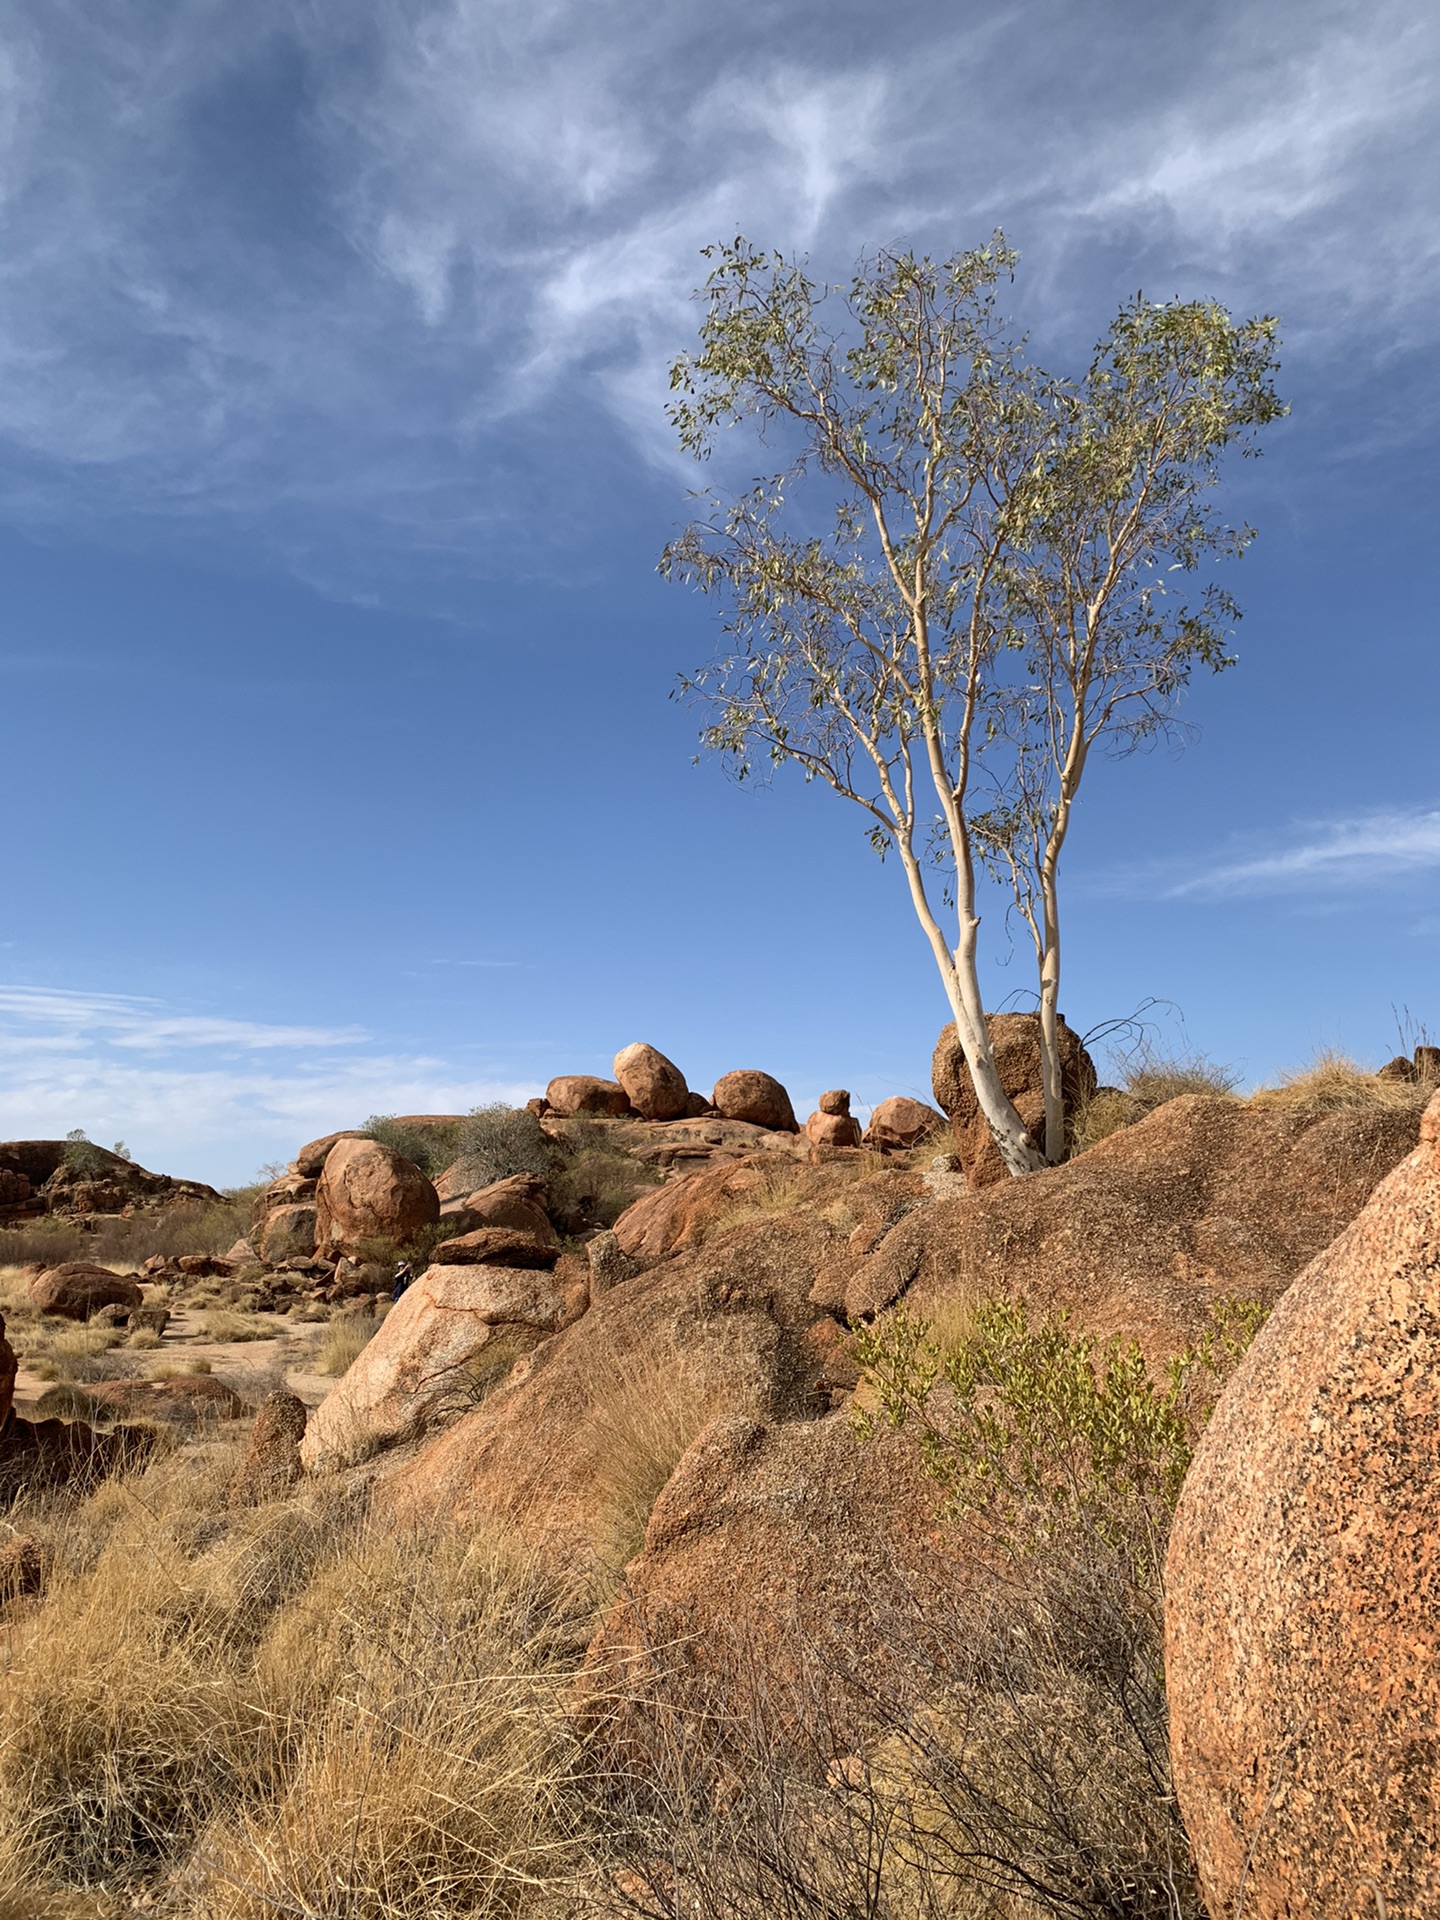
(1139, 1235)
(413, 1370)
(76, 1289)
(723, 1326)
(1016, 1040)
(366, 1191)
(309, 1163)
(832, 1124)
(9, 1367)
(655, 1086)
(497, 1247)
(288, 1234)
(772, 1543)
(517, 1203)
(574, 1093)
(271, 1465)
(1303, 1586)
(748, 1094)
(899, 1122)
(669, 1218)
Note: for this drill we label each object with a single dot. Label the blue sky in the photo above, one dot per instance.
(340, 772)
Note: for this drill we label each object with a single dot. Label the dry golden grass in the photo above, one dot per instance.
(226, 1324)
(1332, 1080)
(645, 1413)
(345, 1338)
(1149, 1077)
(277, 1709)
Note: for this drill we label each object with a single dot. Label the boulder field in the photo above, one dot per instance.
(703, 1365)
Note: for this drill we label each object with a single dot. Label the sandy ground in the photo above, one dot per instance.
(251, 1367)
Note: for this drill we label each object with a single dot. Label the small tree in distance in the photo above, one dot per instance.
(988, 593)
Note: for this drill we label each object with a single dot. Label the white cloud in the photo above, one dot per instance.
(1353, 853)
(305, 268)
(70, 1060)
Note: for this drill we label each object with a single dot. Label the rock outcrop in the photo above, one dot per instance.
(271, 1465)
(748, 1094)
(654, 1086)
(288, 1233)
(1140, 1234)
(574, 1093)
(367, 1191)
(517, 1202)
(73, 1178)
(9, 1367)
(498, 1247)
(832, 1124)
(77, 1288)
(413, 1371)
(772, 1546)
(1016, 1040)
(1303, 1585)
(723, 1327)
(899, 1123)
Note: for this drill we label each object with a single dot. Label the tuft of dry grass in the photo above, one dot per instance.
(1148, 1077)
(205, 1227)
(345, 1338)
(645, 1414)
(225, 1324)
(780, 1189)
(1333, 1080)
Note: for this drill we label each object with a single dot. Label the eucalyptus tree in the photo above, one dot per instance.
(962, 579)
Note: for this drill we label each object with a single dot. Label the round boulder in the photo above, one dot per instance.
(748, 1094)
(1015, 1038)
(288, 1234)
(654, 1085)
(897, 1123)
(367, 1191)
(76, 1289)
(832, 1124)
(1302, 1586)
(574, 1093)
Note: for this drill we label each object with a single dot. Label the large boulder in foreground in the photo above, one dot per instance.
(1303, 1586)
(77, 1288)
(413, 1372)
(654, 1085)
(749, 1094)
(1141, 1234)
(1015, 1038)
(368, 1191)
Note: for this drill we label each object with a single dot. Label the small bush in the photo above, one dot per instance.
(498, 1141)
(431, 1149)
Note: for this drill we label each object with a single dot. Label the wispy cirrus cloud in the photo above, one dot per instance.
(187, 1091)
(54, 1016)
(349, 273)
(1362, 851)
